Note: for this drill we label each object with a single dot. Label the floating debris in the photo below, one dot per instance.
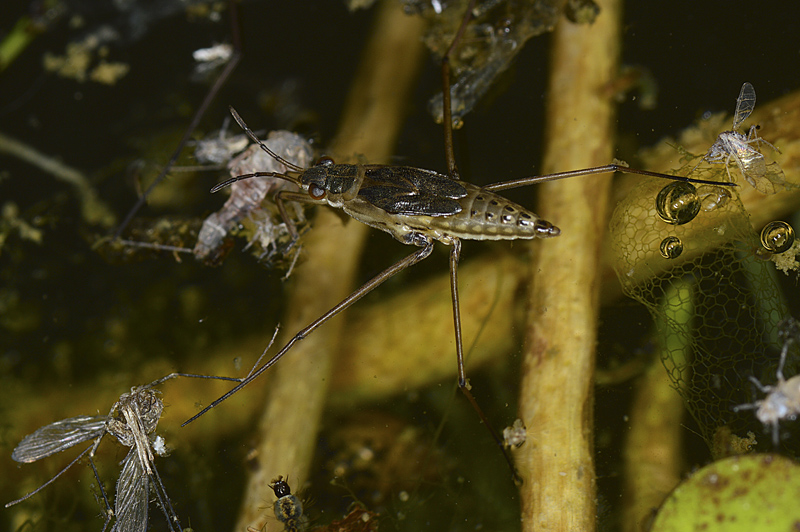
(247, 195)
(716, 305)
(210, 59)
(495, 35)
(515, 435)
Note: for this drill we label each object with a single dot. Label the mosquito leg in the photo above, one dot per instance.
(198, 115)
(425, 250)
(264, 353)
(749, 406)
(190, 375)
(293, 263)
(163, 500)
(40, 488)
(761, 387)
(782, 361)
(463, 384)
(109, 510)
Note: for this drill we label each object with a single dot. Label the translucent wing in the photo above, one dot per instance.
(745, 104)
(56, 437)
(132, 499)
(766, 178)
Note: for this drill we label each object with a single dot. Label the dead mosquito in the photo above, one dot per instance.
(132, 421)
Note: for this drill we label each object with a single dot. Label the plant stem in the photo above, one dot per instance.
(557, 392)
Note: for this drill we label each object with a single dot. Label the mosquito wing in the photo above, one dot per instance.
(58, 436)
(745, 104)
(133, 496)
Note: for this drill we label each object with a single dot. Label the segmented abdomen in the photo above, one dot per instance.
(487, 216)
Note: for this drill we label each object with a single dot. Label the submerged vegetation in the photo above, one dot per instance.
(76, 332)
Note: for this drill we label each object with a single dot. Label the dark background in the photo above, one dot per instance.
(60, 297)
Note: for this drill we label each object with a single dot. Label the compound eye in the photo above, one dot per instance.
(316, 191)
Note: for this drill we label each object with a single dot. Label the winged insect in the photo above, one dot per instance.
(132, 420)
(743, 149)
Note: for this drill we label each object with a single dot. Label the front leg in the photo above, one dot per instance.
(290, 195)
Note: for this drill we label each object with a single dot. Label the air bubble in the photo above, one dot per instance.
(678, 203)
(777, 237)
(671, 247)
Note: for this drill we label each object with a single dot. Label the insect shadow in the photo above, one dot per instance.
(132, 421)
